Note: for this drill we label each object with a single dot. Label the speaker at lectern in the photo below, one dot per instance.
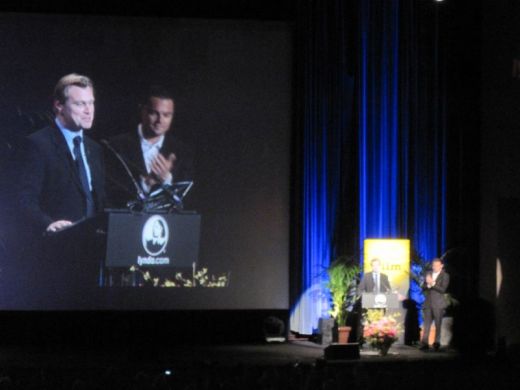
(85, 253)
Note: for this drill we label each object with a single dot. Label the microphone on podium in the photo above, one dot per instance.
(140, 194)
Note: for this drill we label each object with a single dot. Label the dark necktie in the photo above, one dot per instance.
(83, 178)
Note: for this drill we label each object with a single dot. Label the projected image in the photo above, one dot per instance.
(145, 163)
(149, 171)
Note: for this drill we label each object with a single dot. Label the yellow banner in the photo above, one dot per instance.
(394, 255)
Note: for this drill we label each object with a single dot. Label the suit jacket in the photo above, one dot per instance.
(49, 184)
(128, 145)
(434, 296)
(367, 283)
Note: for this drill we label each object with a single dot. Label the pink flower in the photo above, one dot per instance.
(383, 331)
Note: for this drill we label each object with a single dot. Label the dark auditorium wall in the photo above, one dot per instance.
(500, 163)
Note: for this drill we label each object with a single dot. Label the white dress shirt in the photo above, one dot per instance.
(150, 152)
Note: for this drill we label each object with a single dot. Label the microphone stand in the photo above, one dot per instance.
(166, 198)
(140, 194)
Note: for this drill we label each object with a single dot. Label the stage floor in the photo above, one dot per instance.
(291, 352)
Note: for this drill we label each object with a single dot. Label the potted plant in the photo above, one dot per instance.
(343, 277)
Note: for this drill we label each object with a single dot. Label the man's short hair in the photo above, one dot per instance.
(374, 260)
(61, 90)
(157, 91)
(438, 259)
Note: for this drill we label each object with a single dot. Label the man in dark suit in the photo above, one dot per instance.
(62, 170)
(375, 281)
(61, 182)
(153, 155)
(434, 287)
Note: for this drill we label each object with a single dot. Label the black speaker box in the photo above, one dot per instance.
(342, 351)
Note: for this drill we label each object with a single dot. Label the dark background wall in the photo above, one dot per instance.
(500, 168)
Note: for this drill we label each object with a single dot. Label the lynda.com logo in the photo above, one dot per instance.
(380, 300)
(155, 235)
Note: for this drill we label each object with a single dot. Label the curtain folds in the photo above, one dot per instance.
(388, 114)
(327, 110)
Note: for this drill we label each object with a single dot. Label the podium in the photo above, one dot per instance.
(380, 301)
(158, 244)
(65, 267)
(152, 239)
(123, 239)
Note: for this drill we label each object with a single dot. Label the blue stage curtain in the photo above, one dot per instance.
(399, 134)
(424, 95)
(327, 119)
(402, 129)
(383, 140)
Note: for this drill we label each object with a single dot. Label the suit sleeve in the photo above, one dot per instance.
(30, 184)
(185, 166)
(442, 285)
(424, 285)
(386, 282)
(362, 284)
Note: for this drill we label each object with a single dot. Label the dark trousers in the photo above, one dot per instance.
(432, 315)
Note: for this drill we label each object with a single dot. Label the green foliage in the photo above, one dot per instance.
(343, 276)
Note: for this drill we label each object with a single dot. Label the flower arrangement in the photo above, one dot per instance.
(381, 331)
(198, 278)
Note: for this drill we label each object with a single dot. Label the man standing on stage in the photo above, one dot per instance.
(62, 170)
(153, 155)
(375, 281)
(434, 287)
(60, 182)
